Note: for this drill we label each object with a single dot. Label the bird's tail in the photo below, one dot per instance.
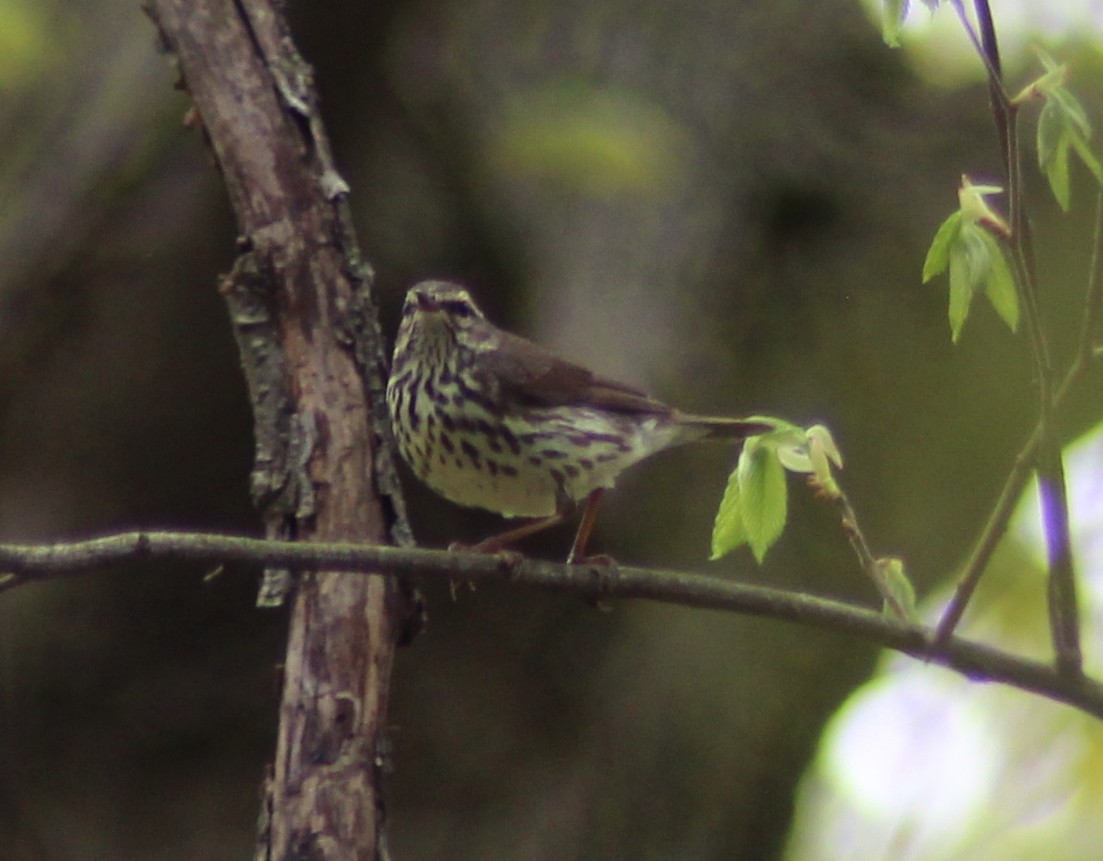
(715, 428)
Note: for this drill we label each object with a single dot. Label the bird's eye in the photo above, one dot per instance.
(459, 308)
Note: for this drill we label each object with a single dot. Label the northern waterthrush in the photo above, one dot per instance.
(490, 420)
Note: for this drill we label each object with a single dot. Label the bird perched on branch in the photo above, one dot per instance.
(491, 420)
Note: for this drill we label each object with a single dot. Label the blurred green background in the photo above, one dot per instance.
(726, 203)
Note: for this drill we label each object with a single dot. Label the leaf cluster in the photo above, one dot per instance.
(966, 244)
(755, 504)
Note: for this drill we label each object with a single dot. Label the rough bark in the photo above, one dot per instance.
(300, 305)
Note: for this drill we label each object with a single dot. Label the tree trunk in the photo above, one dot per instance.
(310, 346)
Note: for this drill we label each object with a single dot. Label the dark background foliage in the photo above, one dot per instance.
(726, 203)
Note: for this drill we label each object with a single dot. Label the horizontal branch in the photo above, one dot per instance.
(23, 564)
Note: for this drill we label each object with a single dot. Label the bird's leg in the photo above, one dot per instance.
(496, 542)
(578, 556)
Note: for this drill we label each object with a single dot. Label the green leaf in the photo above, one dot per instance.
(1088, 157)
(790, 441)
(1057, 171)
(822, 474)
(1071, 111)
(961, 293)
(821, 435)
(977, 243)
(892, 20)
(938, 255)
(1046, 59)
(763, 496)
(1049, 133)
(1000, 288)
(970, 265)
(1063, 124)
(975, 208)
(728, 533)
(755, 504)
(794, 456)
(1053, 151)
(898, 591)
(1041, 88)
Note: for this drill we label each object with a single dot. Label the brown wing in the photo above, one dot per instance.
(533, 375)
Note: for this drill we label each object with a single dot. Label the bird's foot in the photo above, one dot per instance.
(508, 560)
(601, 560)
(492, 546)
(603, 563)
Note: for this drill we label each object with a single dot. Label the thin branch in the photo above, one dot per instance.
(993, 70)
(1064, 616)
(1053, 490)
(996, 526)
(989, 538)
(1093, 303)
(866, 559)
(1043, 451)
(1064, 612)
(30, 563)
(987, 47)
(988, 37)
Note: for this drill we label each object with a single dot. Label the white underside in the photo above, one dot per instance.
(540, 491)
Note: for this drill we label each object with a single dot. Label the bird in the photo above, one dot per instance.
(491, 420)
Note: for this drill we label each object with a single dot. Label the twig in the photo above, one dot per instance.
(861, 547)
(994, 528)
(1093, 303)
(30, 563)
(1043, 450)
(994, 71)
(989, 538)
(1064, 613)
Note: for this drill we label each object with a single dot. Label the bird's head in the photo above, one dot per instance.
(441, 315)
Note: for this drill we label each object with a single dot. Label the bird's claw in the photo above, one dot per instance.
(601, 560)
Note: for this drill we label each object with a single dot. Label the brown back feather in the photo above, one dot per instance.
(536, 376)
